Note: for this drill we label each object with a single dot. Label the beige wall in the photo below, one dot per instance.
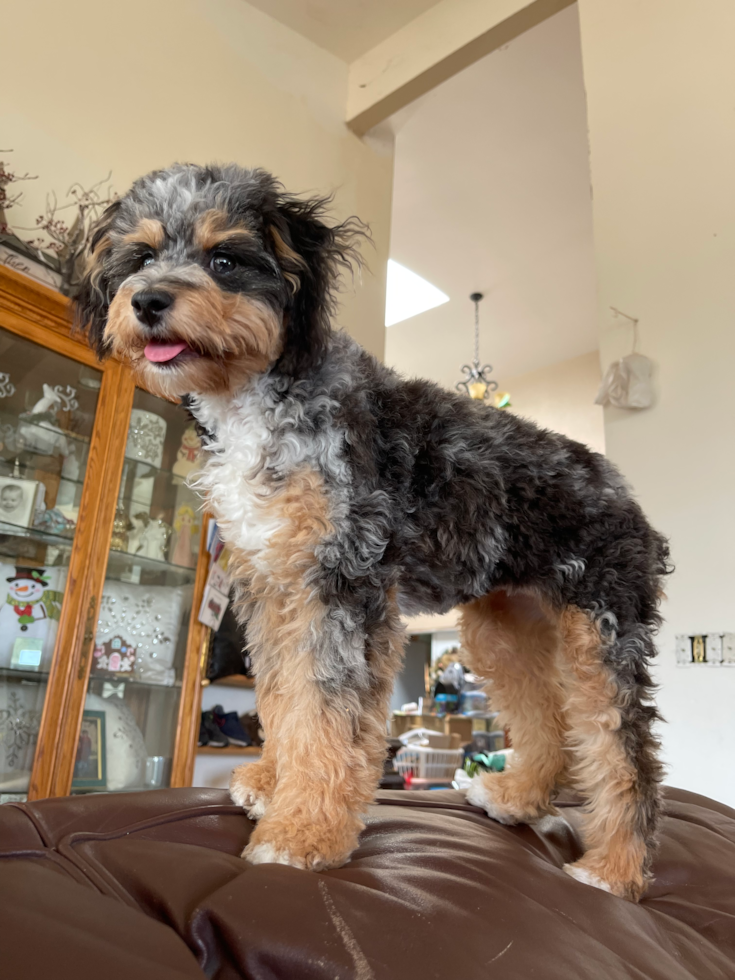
(129, 86)
(561, 397)
(660, 77)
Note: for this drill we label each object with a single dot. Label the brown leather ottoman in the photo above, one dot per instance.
(150, 885)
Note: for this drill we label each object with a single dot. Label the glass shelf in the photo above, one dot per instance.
(24, 675)
(152, 472)
(98, 679)
(34, 548)
(36, 534)
(121, 565)
(33, 468)
(9, 418)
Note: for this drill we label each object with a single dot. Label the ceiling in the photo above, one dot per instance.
(492, 193)
(347, 28)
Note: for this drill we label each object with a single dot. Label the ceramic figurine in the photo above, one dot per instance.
(139, 523)
(188, 455)
(154, 540)
(40, 434)
(184, 526)
(120, 528)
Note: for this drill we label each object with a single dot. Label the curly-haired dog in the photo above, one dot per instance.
(348, 493)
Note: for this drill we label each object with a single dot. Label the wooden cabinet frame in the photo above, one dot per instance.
(39, 314)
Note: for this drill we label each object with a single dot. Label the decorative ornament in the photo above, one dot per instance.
(68, 397)
(120, 527)
(154, 539)
(114, 657)
(39, 431)
(7, 388)
(139, 523)
(187, 458)
(184, 526)
(146, 436)
(627, 382)
(477, 382)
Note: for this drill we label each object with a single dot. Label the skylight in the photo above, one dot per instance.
(408, 294)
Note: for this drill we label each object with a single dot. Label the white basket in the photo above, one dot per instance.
(423, 762)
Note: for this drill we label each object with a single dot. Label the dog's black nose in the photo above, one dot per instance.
(151, 304)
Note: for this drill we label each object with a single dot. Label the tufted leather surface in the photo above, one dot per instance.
(150, 885)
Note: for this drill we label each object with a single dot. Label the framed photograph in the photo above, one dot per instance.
(17, 501)
(90, 769)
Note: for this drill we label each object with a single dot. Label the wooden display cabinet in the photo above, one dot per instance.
(101, 651)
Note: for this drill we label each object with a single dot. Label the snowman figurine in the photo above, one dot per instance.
(27, 611)
(24, 606)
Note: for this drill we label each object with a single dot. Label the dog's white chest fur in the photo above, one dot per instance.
(234, 478)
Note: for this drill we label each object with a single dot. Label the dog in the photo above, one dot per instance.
(349, 495)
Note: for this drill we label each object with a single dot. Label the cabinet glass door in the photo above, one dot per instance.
(47, 410)
(130, 716)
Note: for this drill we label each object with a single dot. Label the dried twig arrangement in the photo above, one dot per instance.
(61, 244)
(8, 200)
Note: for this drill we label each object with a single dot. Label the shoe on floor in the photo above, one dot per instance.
(203, 733)
(217, 738)
(234, 731)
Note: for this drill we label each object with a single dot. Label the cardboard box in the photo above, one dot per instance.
(401, 722)
(459, 725)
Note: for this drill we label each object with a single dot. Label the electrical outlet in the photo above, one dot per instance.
(728, 648)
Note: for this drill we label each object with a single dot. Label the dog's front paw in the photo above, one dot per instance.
(252, 786)
(267, 853)
(309, 846)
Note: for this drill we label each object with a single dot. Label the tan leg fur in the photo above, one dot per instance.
(513, 641)
(324, 746)
(602, 770)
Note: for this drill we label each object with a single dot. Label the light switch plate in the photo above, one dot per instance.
(714, 648)
(683, 649)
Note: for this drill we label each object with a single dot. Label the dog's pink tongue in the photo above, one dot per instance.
(159, 352)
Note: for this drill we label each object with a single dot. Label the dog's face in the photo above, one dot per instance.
(204, 276)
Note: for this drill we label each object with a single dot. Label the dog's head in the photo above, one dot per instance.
(203, 276)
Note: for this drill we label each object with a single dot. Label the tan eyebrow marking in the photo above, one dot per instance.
(148, 231)
(214, 227)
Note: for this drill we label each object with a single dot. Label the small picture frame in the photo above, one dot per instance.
(90, 766)
(17, 501)
(213, 608)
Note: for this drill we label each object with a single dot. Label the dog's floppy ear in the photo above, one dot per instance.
(312, 255)
(92, 300)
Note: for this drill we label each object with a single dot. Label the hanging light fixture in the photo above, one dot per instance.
(477, 382)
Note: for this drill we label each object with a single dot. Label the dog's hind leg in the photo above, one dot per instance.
(512, 640)
(614, 752)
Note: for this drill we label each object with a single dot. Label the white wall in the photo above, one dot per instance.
(562, 398)
(129, 85)
(660, 77)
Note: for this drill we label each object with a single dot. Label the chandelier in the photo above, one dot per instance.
(477, 382)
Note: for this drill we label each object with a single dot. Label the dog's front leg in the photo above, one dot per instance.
(325, 685)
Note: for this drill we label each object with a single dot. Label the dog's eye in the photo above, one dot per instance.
(222, 263)
(148, 259)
